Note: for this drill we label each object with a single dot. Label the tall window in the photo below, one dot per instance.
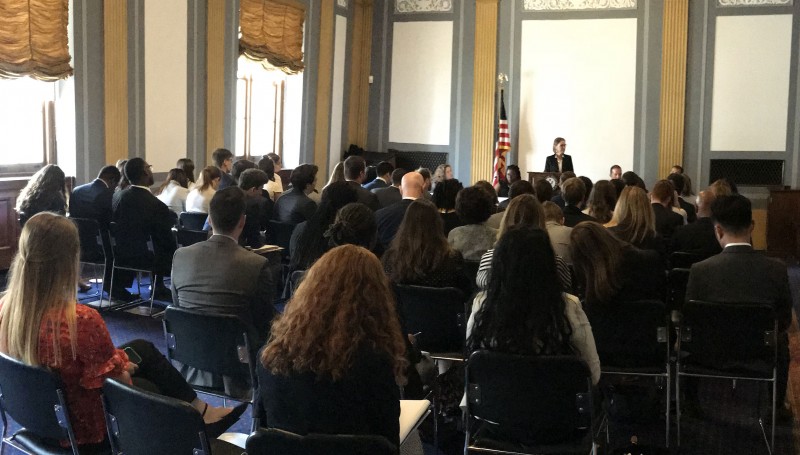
(27, 116)
(268, 112)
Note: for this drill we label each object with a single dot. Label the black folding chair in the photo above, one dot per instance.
(272, 441)
(145, 423)
(280, 234)
(34, 398)
(216, 343)
(677, 280)
(528, 404)
(185, 237)
(736, 341)
(122, 264)
(685, 259)
(192, 220)
(632, 339)
(437, 318)
(95, 246)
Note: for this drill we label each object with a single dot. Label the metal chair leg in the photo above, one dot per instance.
(669, 398)
(678, 403)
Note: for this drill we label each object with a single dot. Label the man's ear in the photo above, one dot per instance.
(241, 221)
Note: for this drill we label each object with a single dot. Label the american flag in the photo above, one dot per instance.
(503, 144)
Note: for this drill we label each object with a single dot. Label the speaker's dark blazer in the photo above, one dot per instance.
(741, 274)
(389, 219)
(293, 207)
(697, 237)
(551, 165)
(140, 215)
(92, 201)
(365, 196)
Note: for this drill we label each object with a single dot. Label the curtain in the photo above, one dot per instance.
(272, 30)
(33, 39)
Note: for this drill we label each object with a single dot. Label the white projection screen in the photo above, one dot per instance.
(578, 81)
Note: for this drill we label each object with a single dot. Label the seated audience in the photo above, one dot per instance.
(444, 196)
(278, 164)
(558, 191)
(239, 167)
(676, 169)
(543, 190)
(630, 178)
(336, 356)
(308, 242)
(273, 188)
(634, 221)
(486, 186)
(518, 188)
(474, 206)
(679, 182)
(662, 200)
(433, 262)
(443, 172)
(687, 194)
(355, 172)
(258, 209)
(573, 191)
(588, 186)
(187, 166)
(200, 196)
(618, 185)
(503, 184)
(601, 202)
(44, 192)
(391, 194)
(524, 212)
(223, 160)
(174, 191)
(722, 187)
(354, 225)
(93, 200)
(140, 216)
(240, 282)
(384, 170)
(698, 237)
(615, 172)
(389, 218)
(41, 324)
(337, 174)
(123, 181)
(428, 179)
(558, 233)
(295, 206)
(611, 270)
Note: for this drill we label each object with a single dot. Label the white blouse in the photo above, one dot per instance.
(174, 196)
(199, 201)
(274, 186)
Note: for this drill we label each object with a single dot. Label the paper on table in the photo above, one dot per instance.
(412, 412)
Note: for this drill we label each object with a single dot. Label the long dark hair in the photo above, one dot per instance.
(44, 187)
(311, 241)
(596, 256)
(523, 311)
(420, 246)
(177, 175)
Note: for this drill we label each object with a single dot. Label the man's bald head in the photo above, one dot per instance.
(704, 201)
(411, 185)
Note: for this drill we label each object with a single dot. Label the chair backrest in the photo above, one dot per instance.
(217, 343)
(272, 441)
(144, 423)
(92, 240)
(186, 237)
(192, 220)
(677, 280)
(437, 314)
(280, 234)
(34, 398)
(685, 259)
(630, 334)
(530, 399)
(737, 337)
(471, 268)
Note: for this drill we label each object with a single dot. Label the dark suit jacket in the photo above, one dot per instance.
(691, 212)
(259, 211)
(93, 201)
(741, 274)
(365, 196)
(389, 219)
(375, 184)
(387, 196)
(140, 215)
(573, 216)
(697, 237)
(551, 165)
(366, 400)
(666, 220)
(225, 181)
(558, 200)
(294, 207)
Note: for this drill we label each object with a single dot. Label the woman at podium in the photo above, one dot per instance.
(559, 161)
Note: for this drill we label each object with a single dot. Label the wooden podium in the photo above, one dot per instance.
(552, 177)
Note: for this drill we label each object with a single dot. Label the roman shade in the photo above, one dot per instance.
(33, 39)
(272, 31)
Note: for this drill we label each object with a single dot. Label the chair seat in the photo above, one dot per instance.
(580, 445)
(220, 392)
(220, 447)
(44, 446)
(453, 356)
(756, 370)
(649, 370)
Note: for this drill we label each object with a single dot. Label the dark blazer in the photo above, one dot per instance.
(389, 219)
(366, 400)
(259, 211)
(666, 220)
(375, 184)
(558, 200)
(697, 237)
(365, 196)
(93, 201)
(740, 274)
(140, 215)
(225, 181)
(573, 216)
(293, 207)
(653, 242)
(643, 275)
(387, 196)
(691, 212)
(551, 165)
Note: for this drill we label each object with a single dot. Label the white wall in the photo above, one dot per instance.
(165, 44)
(337, 96)
(422, 64)
(751, 83)
(578, 81)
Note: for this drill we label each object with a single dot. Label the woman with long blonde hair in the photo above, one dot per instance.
(199, 198)
(634, 221)
(336, 356)
(41, 324)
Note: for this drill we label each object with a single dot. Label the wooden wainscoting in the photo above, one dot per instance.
(9, 226)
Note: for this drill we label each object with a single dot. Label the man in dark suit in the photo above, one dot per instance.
(679, 182)
(223, 159)
(93, 200)
(741, 274)
(294, 206)
(573, 191)
(140, 216)
(388, 219)
(354, 172)
(258, 209)
(661, 200)
(391, 194)
(698, 237)
(558, 196)
(240, 283)
(559, 155)
(384, 170)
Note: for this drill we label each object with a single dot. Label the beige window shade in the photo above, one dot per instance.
(272, 30)
(33, 39)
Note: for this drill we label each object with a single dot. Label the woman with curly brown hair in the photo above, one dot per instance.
(44, 192)
(336, 356)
